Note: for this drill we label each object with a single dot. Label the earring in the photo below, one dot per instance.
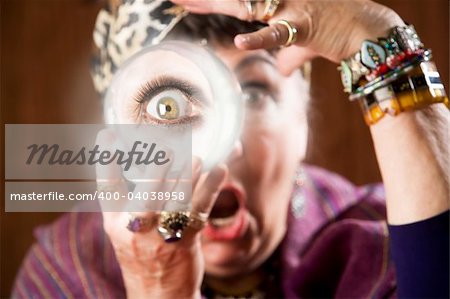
(298, 198)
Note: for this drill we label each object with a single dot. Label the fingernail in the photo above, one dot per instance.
(242, 40)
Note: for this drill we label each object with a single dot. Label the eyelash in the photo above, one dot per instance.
(150, 89)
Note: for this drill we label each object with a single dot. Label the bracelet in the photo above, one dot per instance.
(376, 59)
(392, 75)
(385, 79)
(419, 88)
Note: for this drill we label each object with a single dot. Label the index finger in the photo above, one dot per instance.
(109, 176)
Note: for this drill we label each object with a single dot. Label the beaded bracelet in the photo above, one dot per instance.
(394, 75)
(385, 79)
(378, 58)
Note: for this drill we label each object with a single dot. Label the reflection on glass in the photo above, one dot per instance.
(185, 89)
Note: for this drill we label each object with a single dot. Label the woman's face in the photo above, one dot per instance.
(273, 143)
(249, 219)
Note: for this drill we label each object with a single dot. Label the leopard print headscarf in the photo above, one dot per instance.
(123, 28)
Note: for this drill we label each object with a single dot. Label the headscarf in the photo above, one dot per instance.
(123, 28)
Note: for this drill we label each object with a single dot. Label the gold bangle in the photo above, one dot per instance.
(413, 91)
(373, 113)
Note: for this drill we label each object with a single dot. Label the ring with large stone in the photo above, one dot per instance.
(172, 224)
(138, 224)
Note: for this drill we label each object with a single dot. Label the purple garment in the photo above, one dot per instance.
(337, 246)
(340, 248)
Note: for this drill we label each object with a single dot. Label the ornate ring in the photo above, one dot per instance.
(197, 220)
(270, 9)
(172, 224)
(292, 32)
(138, 224)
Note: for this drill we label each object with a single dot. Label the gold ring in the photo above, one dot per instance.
(270, 9)
(292, 32)
(197, 220)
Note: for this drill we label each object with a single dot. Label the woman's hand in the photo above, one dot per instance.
(411, 147)
(150, 267)
(332, 29)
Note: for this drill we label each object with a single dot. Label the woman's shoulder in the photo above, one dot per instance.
(339, 198)
(72, 257)
(338, 245)
(321, 199)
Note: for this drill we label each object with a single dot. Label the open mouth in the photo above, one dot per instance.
(228, 219)
(225, 209)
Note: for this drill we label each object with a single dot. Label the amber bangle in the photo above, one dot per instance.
(374, 112)
(418, 89)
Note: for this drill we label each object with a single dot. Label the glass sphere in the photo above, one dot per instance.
(186, 91)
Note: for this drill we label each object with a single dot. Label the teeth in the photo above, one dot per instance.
(218, 222)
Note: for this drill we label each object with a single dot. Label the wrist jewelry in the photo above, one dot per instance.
(378, 58)
(392, 75)
(419, 88)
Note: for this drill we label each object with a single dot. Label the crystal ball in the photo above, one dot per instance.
(183, 91)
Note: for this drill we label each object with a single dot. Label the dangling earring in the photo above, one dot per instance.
(298, 197)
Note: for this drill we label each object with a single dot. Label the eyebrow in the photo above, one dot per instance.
(253, 59)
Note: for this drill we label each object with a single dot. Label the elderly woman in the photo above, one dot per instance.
(275, 228)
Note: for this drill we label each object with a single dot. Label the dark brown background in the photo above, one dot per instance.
(45, 46)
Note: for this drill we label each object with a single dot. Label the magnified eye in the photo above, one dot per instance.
(169, 102)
